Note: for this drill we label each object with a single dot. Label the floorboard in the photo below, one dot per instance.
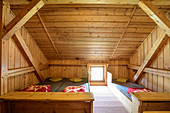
(106, 101)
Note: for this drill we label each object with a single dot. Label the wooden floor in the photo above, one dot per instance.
(106, 101)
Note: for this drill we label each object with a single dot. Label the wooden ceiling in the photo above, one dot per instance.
(87, 31)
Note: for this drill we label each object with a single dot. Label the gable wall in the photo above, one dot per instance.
(78, 68)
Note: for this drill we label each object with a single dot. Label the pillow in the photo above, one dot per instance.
(37, 88)
(74, 89)
(55, 79)
(121, 80)
(75, 79)
(139, 90)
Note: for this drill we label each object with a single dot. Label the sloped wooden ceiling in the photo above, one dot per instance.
(90, 31)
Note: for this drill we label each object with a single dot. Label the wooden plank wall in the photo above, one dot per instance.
(15, 59)
(162, 61)
(78, 68)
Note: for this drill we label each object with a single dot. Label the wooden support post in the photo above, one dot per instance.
(27, 54)
(150, 56)
(22, 18)
(1, 28)
(156, 15)
(3, 51)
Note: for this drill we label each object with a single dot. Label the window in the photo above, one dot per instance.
(97, 73)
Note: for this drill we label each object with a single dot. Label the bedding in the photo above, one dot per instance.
(75, 79)
(138, 90)
(54, 85)
(67, 82)
(55, 79)
(122, 80)
(37, 88)
(74, 89)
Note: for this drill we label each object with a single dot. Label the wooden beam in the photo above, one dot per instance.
(156, 15)
(150, 56)
(49, 36)
(27, 54)
(127, 2)
(124, 31)
(22, 18)
(155, 71)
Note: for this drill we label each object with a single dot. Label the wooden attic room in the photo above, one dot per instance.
(85, 56)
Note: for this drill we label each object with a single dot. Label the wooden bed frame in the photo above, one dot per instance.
(122, 98)
(47, 102)
(141, 101)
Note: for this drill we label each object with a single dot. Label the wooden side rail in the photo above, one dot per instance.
(15, 72)
(150, 101)
(160, 72)
(47, 102)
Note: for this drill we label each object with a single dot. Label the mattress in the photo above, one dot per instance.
(54, 85)
(123, 87)
(60, 85)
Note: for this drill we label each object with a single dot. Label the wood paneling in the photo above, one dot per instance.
(89, 26)
(15, 60)
(78, 68)
(155, 82)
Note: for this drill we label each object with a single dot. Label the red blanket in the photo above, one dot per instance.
(37, 88)
(74, 89)
(139, 90)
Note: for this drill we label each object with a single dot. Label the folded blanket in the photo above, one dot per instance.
(74, 89)
(37, 88)
(139, 90)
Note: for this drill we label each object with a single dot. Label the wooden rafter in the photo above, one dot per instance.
(150, 56)
(49, 37)
(27, 54)
(22, 18)
(117, 46)
(156, 15)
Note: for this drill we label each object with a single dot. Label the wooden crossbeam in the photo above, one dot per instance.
(15, 72)
(155, 71)
(156, 15)
(150, 56)
(22, 18)
(27, 54)
(49, 36)
(117, 46)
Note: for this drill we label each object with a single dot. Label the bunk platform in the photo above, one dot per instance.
(60, 85)
(139, 102)
(47, 102)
